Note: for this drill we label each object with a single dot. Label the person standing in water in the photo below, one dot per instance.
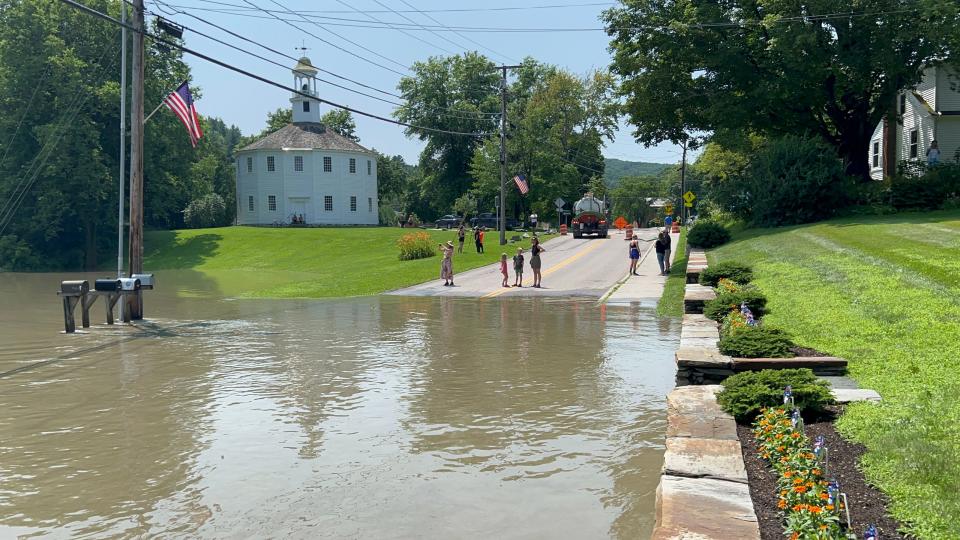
(446, 265)
(518, 267)
(535, 250)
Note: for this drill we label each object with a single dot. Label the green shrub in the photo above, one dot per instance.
(207, 211)
(756, 342)
(418, 245)
(708, 234)
(732, 323)
(918, 187)
(725, 302)
(744, 394)
(726, 270)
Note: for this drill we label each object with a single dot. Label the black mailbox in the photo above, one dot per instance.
(106, 285)
(78, 287)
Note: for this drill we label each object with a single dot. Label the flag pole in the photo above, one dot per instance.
(154, 112)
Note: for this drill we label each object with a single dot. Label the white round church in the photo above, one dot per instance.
(305, 172)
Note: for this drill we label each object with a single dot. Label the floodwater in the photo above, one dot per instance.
(381, 417)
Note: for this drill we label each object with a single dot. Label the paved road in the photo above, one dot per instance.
(571, 267)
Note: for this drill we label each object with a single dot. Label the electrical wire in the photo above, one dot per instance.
(23, 116)
(450, 10)
(448, 111)
(399, 29)
(241, 71)
(427, 15)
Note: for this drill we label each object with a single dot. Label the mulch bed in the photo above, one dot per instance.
(803, 351)
(867, 504)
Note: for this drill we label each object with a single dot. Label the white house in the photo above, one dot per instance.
(305, 169)
(929, 112)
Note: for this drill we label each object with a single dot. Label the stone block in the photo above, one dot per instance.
(704, 458)
(692, 411)
(695, 296)
(704, 509)
(701, 357)
(704, 342)
(849, 395)
(698, 320)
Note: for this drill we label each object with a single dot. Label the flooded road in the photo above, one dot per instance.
(381, 417)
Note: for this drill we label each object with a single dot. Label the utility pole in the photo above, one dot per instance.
(136, 156)
(123, 141)
(502, 211)
(683, 184)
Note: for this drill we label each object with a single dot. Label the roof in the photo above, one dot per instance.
(306, 135)
(305, 66)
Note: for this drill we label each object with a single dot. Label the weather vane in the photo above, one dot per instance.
(302, 48)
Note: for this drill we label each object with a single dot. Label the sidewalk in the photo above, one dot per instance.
(646, 288)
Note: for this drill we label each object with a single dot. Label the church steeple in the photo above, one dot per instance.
(304, 79)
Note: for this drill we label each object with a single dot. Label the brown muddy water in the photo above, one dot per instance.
(381, 417)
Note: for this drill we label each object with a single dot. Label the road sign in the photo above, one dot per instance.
(688, 204)
(689, 197)
(559, 202)
(620, 222)
(668, 209)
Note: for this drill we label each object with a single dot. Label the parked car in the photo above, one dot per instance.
(489, 220)
(448, 221)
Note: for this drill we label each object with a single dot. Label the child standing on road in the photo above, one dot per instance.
(503, 269)
(518, 267)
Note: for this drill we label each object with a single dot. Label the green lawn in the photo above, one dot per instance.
(307, 263)
(883, 292)
(671, 302)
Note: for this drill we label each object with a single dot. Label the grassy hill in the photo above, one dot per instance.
(883, 293)
(615, 169)
(305, 263)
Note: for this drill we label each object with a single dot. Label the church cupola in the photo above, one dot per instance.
(305, 109)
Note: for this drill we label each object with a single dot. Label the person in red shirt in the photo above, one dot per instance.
(480, 240)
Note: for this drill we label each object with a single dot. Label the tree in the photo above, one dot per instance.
(392, 178)
(775, 67)
(341, 121)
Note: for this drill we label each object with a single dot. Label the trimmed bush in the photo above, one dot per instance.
(733, 271)
(725, 302)
(708, 234)
(207, 211)
(756, 342)
(418, 245)
(745, 394)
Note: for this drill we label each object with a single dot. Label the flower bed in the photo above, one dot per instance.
(796, 491)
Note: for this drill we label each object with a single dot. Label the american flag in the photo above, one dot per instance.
(181, 103)
(521, 182)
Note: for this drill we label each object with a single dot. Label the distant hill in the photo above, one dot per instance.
(615, 169)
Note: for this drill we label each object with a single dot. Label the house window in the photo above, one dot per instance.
(370, 204)
(250, 203)
(903, 104)
(353, 203)
(306, 106)
(914, 143)
(298, 163)
(353, 165)
(271, 165)
(369, 168)
(272, 203)
(876, 154)
(327, 164)
(328, 203)
(249, 164)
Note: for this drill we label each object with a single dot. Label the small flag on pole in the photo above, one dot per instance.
(521, 184)
(181, 103)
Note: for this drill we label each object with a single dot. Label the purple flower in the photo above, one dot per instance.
(870, 533)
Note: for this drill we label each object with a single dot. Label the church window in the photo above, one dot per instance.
(903, 103)
(914, 143)
(298, 163)
(272, 203)
(327, 164)
(353, 203)
(249, 164)
(271, 164)
(250, 203)
(353, 165)
(306, 106)
(328, 203)
(876, 154)
(370, 204)
(369, 167)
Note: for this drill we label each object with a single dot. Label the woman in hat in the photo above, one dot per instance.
(535, 250)
(446, 265)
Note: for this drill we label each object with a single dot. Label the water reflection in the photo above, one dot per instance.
(379, 417)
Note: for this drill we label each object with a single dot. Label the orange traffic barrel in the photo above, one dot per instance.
(676, 227)
(563, 229)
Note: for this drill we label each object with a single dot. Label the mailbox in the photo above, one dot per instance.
(106, 285)
(129, 284)
(77, 287)
(147, 281)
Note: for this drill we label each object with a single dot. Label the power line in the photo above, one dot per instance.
(401, 30)
(450, 10)
(427, 15)
(251, 75)
(449, 111)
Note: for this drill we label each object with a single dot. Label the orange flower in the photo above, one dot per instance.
(798, 481)
(800, 489)
(788, 474)
(823, 527)
(795, 435)
(809, 484)
(795, 536)
(782, 504)
(816, 472)
(779, 436)
(824, 496)
(797, 508)
(781, 448)
(783, 493)
(814, 509)
(830, 507)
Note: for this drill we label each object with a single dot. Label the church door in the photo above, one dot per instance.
(298, 207)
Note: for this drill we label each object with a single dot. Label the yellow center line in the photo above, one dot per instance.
(594, 245)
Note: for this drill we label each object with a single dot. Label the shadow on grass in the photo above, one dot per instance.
(166, 251)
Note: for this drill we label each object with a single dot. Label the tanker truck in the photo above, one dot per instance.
(589, 217)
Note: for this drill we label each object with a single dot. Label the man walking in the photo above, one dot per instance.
(476, 239)
(667, 223)
(666, 251)
(482, 232)
(461, 234)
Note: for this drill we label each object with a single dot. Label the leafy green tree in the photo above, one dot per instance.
(342, 122)
(207, 211)
(825, 68)
(632, 196)
(392, 178)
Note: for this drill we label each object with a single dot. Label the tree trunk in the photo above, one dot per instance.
(855, 150)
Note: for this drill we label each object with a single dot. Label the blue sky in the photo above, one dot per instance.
(245, 102)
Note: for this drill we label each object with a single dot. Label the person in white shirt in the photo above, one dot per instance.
(933, 154)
